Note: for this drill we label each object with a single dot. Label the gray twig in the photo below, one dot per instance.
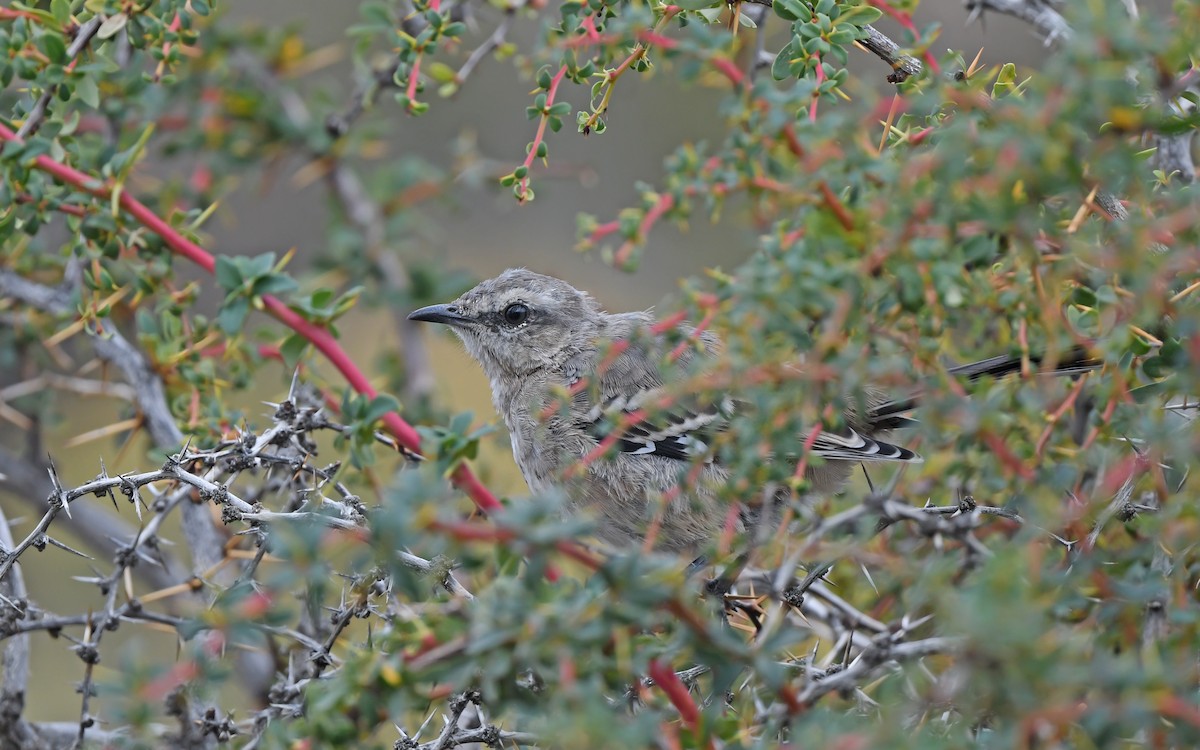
(879, 44)
(37, 115)
(1038, 13)
(493, 41)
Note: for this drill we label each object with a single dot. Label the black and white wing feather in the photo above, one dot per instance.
(685, 433)
(682, 433)
(628, 398)
(850, 445)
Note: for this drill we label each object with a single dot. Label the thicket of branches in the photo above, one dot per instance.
(1033, 584)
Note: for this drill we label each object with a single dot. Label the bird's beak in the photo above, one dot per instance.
(447, 314)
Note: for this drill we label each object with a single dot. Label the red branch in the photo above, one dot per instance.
(919, 136)
(728, 69)
(10, 14)
(724, 66)
(316, 335)
(65, 208)
(466, 531)
(843, 216)
(414, 74)
(812, 112)
(665, 203)
(677, 693)
(603, 231)
(627, 420)
(809, 442)
(1009, 459)
(523, 185)
(166, 49)
(700, 328)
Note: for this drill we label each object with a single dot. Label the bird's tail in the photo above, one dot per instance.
(1075, 361)
(890, 414)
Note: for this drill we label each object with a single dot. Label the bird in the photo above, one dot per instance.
(537, 337)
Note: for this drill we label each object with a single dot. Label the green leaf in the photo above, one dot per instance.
(441, 72)
(861, 15)
(56, 48)
(88, 92)
(790, 10)
(61, 10)
(380, 406)
(275, 283)
(112, 25)
(293, 349)
(233, 315)
(259, 265)
(1005, 80)
(781, 67)
(229, 276)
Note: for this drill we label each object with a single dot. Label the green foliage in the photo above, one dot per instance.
(1045, 596)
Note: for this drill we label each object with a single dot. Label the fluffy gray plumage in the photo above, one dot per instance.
(535, 335)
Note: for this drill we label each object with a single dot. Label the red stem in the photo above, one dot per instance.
(319, 337)
(812, 112)
(665, 203)
(809, 442)
(413, 75)
(541, 132)
(10, 14)
(666, 679)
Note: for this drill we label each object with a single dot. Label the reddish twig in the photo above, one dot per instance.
(10, 15)
(1009, 459)
(812, 111)
(831, 201)
(166, 49)
(414, 75)
(919, 136)
(316, 335)
(665, 203)
(700, 328)
(666, 679)
(466, 531)
(523, 184)
(65, 208)
(602, 231)
(809, 442)
(414, 72)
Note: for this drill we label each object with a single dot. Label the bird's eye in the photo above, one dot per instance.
(516, 314)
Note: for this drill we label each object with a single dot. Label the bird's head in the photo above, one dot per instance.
(520, 321)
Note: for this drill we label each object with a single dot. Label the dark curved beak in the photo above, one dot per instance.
(447, 314)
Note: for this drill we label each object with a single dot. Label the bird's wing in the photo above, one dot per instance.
(685, 431)
(888, 414)
(847, 444)
(628, 398)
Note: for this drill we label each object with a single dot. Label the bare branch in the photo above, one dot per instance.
(83, 35)
(1038, 13)
(204, 540)
(496, 38)
(103, 532)
(878, 43)
(15, 660)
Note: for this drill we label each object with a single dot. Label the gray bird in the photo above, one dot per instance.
(536, 336)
